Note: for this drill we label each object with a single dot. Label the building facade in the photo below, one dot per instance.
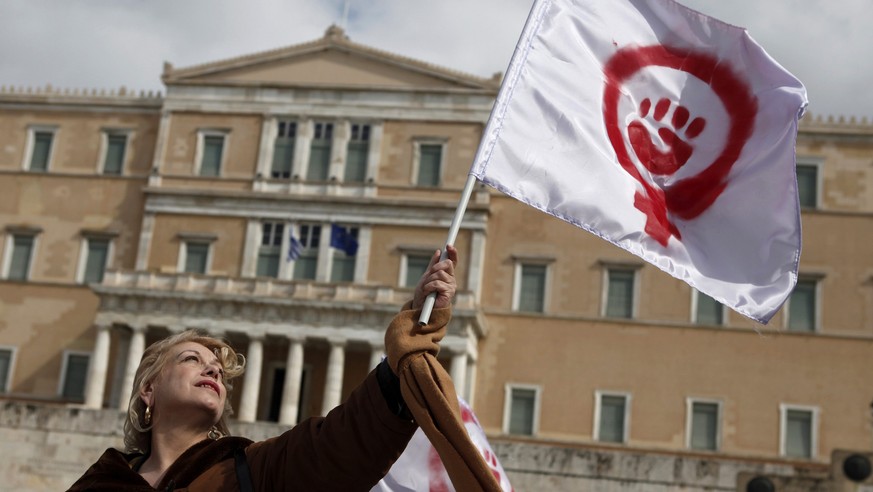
(289, 200)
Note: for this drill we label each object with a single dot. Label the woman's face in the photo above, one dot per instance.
(191, 386)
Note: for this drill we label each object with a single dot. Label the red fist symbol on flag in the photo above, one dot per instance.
(662, 132)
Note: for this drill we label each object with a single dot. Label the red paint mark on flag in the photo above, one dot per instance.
(691, 196)
(438, 479)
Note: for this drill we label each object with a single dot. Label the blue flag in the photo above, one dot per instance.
(341, 238)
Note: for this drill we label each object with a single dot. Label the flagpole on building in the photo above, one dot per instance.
(345, 14)
(450, 241)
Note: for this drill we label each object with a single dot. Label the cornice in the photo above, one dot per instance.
(333, 39)
(346, 209)
(91, 98)
(262, 306)
(835, 125)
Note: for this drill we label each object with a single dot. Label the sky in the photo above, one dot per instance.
(113, 43)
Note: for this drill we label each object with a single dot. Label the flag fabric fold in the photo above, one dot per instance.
(664, 131)
(420, 469)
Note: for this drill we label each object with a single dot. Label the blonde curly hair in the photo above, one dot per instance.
(137, 435)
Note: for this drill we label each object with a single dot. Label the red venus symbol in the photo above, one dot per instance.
(688, 197)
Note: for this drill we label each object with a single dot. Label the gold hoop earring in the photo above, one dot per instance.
(213, 434)
(147, 418)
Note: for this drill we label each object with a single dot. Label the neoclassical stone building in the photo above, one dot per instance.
(288, 200)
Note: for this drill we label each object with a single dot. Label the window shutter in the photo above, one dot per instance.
(620, 296)
(115, 146)
(801, 307)
(5, 366)
(430, 157)
(196, 255)
(612, 411)
(22, 249)
(416, 265)
(76, 375)
(709, 311)
(807, 185)
(533, 286)
(213, 147)
(95, 264)
(42, 145)
(798, 434)
(704, 426)
(521, 412)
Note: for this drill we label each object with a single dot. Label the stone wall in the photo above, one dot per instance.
(548, 467)
(47, 447)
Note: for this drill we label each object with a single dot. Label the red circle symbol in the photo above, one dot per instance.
(688, 197)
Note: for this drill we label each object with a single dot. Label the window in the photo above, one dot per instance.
(707, 311)
(306, 264)
(319, 153)
(196, 257)
(344, 240)
(96, 260)
(283, 150)
(270, 252)
(212, 152)
(430, 158)
(807, 185)
(113, 160)
(611, 417)
(74, 374)
(6, 362)
(40, 150)
(415, 264)
(799, 431)
(529, 294)
(521, 410)
(620, 293)
(356, 155)
(20, 249)
(703, 425)
(802, 306)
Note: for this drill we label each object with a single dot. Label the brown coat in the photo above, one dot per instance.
(350, 449)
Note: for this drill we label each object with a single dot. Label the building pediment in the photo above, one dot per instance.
(332, 62)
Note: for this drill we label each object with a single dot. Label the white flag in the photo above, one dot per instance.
(419, 468)
(666, 132)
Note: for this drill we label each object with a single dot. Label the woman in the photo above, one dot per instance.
(176, 434)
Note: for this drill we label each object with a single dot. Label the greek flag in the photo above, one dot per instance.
(294, 248)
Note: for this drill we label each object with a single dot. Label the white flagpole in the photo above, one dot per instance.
(453, 234)
(537, 12)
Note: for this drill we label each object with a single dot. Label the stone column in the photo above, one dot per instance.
(97, 369)
(476, 265)
(250, 249)
(160, 150)
(471, 380)
(291, 390)
(339, 149)
(248, 405)
(145, 241)
(378, 350)
(325, 255)
(269, 125)
(334, 381)
(458, 372)
(134, 354)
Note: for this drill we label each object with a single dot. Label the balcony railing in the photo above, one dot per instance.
(186, 284)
